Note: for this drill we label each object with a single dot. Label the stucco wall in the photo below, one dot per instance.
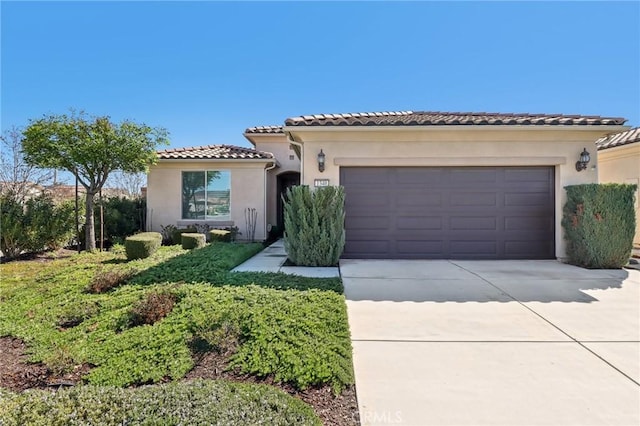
(247, 190)
(622, 165)
(455, 146)
(279, 146)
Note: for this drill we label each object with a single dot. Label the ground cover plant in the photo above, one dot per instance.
(124, 323)
(185, 403)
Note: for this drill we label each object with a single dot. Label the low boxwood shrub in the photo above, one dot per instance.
(193, 241)
(220, 235)
(599, 224)
(197, 402)
(142, 245)
(176, 234)
(314, 225)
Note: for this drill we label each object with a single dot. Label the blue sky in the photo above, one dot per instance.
(207, 70)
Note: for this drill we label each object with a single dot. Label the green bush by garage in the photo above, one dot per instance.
(599, 223)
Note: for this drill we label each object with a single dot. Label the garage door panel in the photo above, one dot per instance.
(524, 223)
(366, 200)
(526, 199)
(367, 176)
(419, 248)
(418, 222)
(419, 176)
(464, 176)
(449, 212)
(474, 199)
(486, 248)
(367, 222)
(526, 248)
(368, 248)
(482, 223)
(529, 175)
(417, 198)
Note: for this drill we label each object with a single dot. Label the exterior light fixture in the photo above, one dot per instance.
(584, 160)
(321, 158)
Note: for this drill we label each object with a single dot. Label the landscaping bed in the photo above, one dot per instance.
(100, 320)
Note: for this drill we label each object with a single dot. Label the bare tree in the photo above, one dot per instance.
(16, 175)
(130, 183)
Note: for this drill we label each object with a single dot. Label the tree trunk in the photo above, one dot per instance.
(89, 227)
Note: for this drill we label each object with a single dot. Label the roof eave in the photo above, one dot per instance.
(459, 127)
(220, 160)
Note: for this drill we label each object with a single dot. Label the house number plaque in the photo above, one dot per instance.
(320, 182)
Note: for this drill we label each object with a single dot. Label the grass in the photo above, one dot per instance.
(293, 329)
(186, 403)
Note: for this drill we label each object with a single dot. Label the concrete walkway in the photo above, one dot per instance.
(272, 258)
(494, 342)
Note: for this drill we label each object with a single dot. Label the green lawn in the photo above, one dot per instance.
(290, 328)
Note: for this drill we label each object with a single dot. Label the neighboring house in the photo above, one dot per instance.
(418, 184)
(619, 162)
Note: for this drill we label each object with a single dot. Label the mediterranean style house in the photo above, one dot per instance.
(427, 185)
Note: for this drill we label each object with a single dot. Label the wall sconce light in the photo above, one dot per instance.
(584, 160)
(321, 158)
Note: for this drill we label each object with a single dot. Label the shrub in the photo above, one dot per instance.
(151, 309)
(193, 241)
(13, 240)
(197, 402)
(314, 225)
(107, 280)
(220, 235)
(142, 245)
(599, 223)
(167, 234)
(34, 225)
(122, 217)
(176, 234)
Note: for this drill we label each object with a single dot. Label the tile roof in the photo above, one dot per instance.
(213, 152)
(619, 139)
(265, 129)
(434, 118)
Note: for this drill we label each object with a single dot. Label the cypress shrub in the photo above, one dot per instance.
(193, 241)
(314, 225)
(220, 235)
(599, 223)
(142, 245)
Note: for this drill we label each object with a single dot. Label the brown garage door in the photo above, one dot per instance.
(449, 212)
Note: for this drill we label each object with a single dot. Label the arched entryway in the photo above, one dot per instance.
(284, 181)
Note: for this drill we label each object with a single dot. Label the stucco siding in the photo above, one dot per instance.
(247, 190)
(622, 165)
(279, 146)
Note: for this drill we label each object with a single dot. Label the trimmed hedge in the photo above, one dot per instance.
(193, 241)
(176, 234)
(599, 223)
(314, 225)
(220, 235)
(142, 245)
(197, 402)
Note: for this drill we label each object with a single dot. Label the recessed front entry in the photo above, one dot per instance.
(449, 212)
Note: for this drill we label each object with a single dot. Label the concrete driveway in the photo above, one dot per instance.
(494, 342)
